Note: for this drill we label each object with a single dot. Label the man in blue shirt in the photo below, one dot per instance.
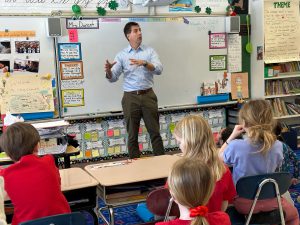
(138, 63)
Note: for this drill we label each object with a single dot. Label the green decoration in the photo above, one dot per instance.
(76, 10)
(197, 9)
(208, 10)
(101, 11)
(113, 5)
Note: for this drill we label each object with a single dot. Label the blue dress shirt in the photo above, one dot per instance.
(136, 77)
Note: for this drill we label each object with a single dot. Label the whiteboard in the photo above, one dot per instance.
(45, 56)
(183, 47)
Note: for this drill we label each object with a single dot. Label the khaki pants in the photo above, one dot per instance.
(143, 106)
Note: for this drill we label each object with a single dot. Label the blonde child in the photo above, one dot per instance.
(195, 139)
(191, 184)
(259, 153)
(32, 182)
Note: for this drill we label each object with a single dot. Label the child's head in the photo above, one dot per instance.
(191, 184)
(19, 139)
(257, 118)
(224, 135)
(196, 140)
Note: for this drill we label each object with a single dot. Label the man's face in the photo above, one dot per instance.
(135, 36)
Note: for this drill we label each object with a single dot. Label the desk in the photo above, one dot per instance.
(71, 151)
(144, 171)
(79, 188)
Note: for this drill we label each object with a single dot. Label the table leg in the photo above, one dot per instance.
(67, 162)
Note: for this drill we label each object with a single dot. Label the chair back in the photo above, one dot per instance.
(246, 187)
(75, 218)
(158, 201)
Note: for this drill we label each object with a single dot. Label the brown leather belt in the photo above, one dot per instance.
(140, 92)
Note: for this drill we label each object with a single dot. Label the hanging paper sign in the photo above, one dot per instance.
(217, 40)
(72, 97)
(71, 70)
(69, 51)
(217, 62)
(86, 23)
(73, 35)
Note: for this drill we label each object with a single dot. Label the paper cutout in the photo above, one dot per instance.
(94, 136)
(95, 153)
(72, 97)
(172, 127)
(117, 149)
(73, 35)
(88, 153)
(87, 136)
(239, 86)
(71, 70)
(110, 150)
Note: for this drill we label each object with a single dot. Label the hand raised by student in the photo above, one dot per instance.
(237, 131)
(107, 68)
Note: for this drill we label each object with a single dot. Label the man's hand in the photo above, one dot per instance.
(107, 68)
(137, 62)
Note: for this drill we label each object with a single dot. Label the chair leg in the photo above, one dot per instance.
(279, 202)
(168, 209)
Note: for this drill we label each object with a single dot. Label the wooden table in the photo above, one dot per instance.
(122, 178)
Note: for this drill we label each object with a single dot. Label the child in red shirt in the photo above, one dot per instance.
(191, 184)
(195, 139)
(32, 182)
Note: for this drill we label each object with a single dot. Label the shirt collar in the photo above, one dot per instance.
(141, 48)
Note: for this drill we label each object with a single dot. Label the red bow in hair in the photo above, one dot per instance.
(198, 211)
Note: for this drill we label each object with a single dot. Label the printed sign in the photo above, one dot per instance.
(69, 51)
(72, 97)
(217, 40)
(217, 62)
(71, 70)
(82, 24)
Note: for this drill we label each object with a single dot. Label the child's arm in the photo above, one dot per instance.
(237, 131)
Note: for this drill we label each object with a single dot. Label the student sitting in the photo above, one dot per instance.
(195, 139)
(191, 183)
(259, 153)
(32, 182)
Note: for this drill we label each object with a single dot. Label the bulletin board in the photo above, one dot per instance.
(181, 43)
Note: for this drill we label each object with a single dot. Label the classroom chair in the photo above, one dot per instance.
(264, 186)
(160, 203)
(290, 137)
(74, 218)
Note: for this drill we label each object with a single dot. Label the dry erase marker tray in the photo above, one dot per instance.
(212, 98)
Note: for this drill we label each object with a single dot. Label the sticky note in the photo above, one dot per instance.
(95, 153)
(117, 132)
(110, 133)
(141, 147)
(172, 127)
(87, 136)
(88, 153)
(94, 136)
(117, 149)
(73, 35)
(111, 150)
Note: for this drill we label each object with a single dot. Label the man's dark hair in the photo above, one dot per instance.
(127, 28)
(18, 140)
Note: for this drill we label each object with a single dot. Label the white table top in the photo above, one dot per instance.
(76, 178)
(142, 169)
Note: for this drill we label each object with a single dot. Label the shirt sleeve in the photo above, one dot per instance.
(229, 155)
(294, 160)
(158, 67)
(117, 69)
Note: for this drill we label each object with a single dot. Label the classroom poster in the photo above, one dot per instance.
(282, 31)
(72, 97)
(71, 70)
(181, 6)
(217, 62)
(27, 94)
(72, 84)
(234, 53)
(217, 40)
(239, 86)
(69, 51)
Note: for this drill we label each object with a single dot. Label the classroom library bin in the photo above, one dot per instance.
(213, 98)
